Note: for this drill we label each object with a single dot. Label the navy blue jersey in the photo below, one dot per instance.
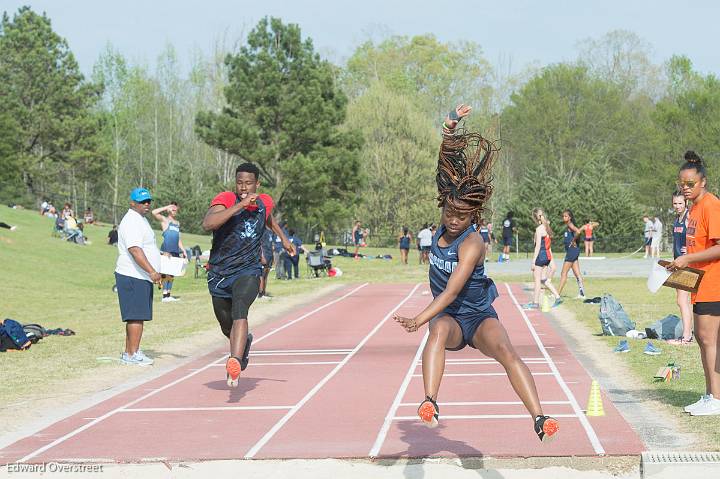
(568, 238)
(679, 228)
(236, 244)
(485, 233)
(478, 293)
(297, 242)
(404, 242)
(171, 238)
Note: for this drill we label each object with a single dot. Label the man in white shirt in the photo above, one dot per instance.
(136, 270)
(425, 241)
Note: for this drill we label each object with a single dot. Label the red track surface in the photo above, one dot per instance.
(341, 379)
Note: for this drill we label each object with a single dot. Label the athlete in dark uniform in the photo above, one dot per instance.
(542, 266)
(238, 221)
(461, 312)
(683, 297)
(572, 253)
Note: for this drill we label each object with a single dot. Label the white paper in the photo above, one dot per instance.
(172, 265)
(658, 276)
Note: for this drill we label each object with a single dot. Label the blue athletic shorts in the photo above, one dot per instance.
(572, 254)
(135, 297)
(542, 262)
(507, 241)
(469, 324)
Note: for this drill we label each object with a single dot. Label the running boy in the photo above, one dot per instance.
(238, 220)
(461, 312)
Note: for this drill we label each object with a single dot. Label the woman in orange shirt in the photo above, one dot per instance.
(703, 252)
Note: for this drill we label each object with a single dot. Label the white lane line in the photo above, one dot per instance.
(264, 440)
(329, 353)
(481, 374)
(82, 428)
(485, 403)
(382, 434)
(592, 436)
(308, 351)
(219, 408)
(311, 363)
(480, 416)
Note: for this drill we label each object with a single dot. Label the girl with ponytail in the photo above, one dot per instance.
(542, 265)
(702, 242)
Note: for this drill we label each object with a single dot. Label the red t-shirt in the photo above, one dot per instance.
(228, 198)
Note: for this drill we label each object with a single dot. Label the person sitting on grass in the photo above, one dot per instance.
(461, 312)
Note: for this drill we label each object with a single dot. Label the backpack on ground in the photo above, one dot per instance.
(670, 327)
(12, 336)
(34, 332)
(613, 318)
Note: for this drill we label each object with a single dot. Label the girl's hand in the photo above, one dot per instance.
(461, 111)
(409, 324)
(679, 262)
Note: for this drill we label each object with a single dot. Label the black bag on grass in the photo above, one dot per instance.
(34, 332)
(613, 318)
(670, 327)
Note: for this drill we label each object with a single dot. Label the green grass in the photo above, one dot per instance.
(644, 308)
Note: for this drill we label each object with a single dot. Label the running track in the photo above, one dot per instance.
(339, 378)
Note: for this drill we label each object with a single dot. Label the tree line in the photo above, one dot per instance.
(602, 135)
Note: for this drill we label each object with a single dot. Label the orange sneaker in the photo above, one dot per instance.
(232, 367)
(429, 412)
(546, 427)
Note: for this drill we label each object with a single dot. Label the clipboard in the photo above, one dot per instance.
(687, 279)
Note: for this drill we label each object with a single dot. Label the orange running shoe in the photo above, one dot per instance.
(546, 427)
(232, 366)
(429, 412)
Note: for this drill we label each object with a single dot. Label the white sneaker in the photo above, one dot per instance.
(697, 403)
(126, 358)
(170, 299)
(141, 359)
(710, 407)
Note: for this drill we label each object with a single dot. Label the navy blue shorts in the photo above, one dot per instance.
(469, 324)
(648, 241)
(135, 296)
(507, 241)
(590, 239)
(542, 262)
(572, 254)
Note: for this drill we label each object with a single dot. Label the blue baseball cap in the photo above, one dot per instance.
(140, 194)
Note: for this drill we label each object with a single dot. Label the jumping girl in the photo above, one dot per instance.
(703, 252)
(542, 265)
(461, 312)
(683, 297)
(572, 253)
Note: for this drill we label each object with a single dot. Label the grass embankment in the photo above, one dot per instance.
(63, 285)
(644, 308)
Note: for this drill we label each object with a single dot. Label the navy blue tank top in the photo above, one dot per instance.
(485, 233)
(171, 238)
(236, 244)
(568, 239)
(679, 228)
(478, 293)
(404, 242)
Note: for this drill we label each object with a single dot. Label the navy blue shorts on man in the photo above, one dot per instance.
(135, 297)
(507, 240)
(469, 324)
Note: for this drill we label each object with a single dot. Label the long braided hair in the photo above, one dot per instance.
(464, 176)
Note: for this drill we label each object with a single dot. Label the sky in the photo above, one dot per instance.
(514, 33)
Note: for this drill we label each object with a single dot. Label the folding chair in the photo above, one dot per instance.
(316, 263)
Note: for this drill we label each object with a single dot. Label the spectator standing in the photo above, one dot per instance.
(113, 236)
(404, 243)
(279, 253)
(135, 272)
(292, 262)
(89, 216)
(171, 245)
(425, 241)
(656, 237)
(357, 236)
(647, 234)
(508, 231)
